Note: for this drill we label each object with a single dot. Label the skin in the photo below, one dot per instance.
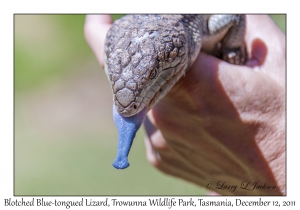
(221, 126)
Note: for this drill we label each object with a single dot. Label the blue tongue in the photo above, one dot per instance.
(127, 128)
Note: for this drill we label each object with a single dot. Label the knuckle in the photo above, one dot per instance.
(158, 141)
(152, 158)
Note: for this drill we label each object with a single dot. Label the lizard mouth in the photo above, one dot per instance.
(136, 106)
(132, 109)
(153, 101)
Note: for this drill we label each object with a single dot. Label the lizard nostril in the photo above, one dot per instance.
(134, 106)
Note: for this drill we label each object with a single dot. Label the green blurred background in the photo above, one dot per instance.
(65, 138)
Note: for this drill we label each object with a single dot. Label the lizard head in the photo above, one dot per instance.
(143, 61)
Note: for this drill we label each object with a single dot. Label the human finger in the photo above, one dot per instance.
(95, 29)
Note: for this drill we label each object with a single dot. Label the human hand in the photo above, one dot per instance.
(221, 125)
(224, 124)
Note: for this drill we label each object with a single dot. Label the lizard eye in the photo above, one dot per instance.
(153, 74)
